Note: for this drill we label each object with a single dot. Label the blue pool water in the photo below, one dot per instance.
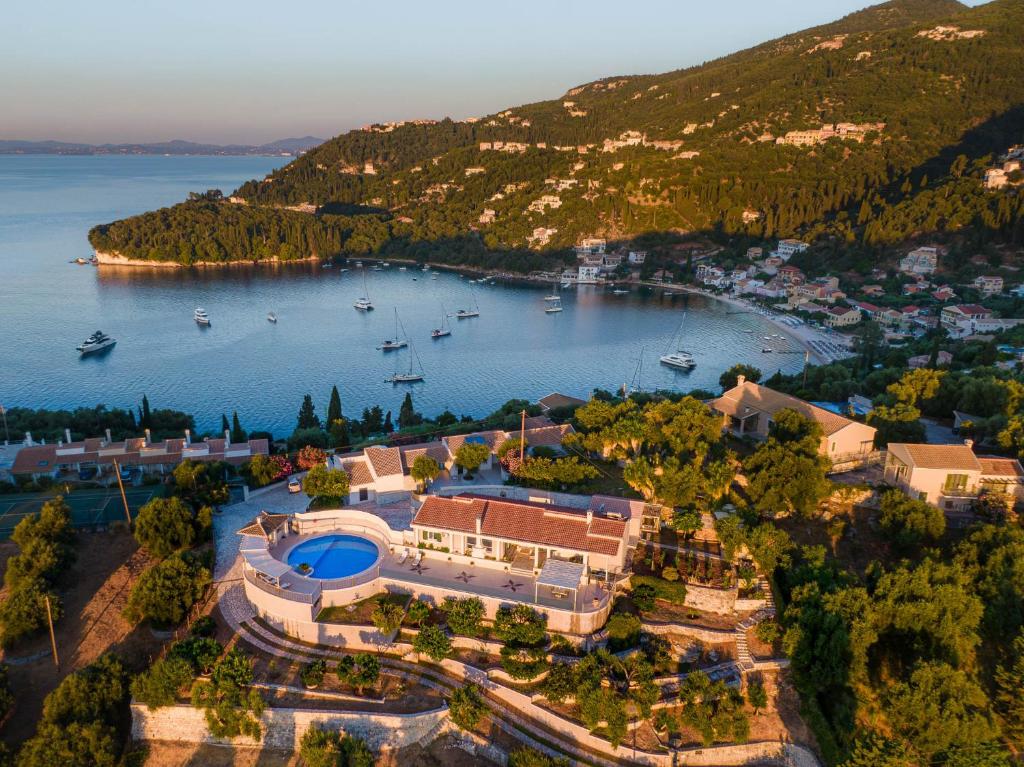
(334, 556)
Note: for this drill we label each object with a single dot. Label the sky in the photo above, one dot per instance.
(224, 71)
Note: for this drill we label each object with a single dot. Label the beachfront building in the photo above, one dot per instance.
(963, 314)
(99, 454)
(748, 409)
(841, 316)
(951, 477)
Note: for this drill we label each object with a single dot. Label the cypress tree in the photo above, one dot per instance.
(144, 416)
(237, 432)
(388, 426)
(406, 414)
(334, 407)
(224, 426)
(308, 418)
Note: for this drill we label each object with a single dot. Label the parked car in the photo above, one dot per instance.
(126, 473)
(86, 473)
(294, 486)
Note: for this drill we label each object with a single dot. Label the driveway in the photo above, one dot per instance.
(936, 433)
(232, 518)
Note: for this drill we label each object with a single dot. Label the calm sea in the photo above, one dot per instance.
(245, 363)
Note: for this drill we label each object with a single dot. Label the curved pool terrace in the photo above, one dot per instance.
(332, 556)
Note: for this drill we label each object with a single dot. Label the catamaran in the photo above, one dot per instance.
(398, 342)
(411, 376)
(201, 317)
(553, 307)
(679, 359)
(98, 341)
(445, 329)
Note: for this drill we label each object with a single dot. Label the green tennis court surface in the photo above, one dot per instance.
(89, 508)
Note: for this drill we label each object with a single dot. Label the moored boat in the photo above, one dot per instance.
(98, 341)
(201, 317)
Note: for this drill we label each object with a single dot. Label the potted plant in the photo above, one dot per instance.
(304, 568)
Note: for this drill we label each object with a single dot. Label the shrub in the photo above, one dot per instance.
(432, 642)
(560, 683)
(165, 592)
(361, 670)
(201, 652)
(767, 631)
(232, 708)
(165, 525)
(466, 707)
(24, 611)
(464, 616)
(670, 574)
(908, 521)
(417, 612)
(528, 757)
(523, 662)
(321, 482)
(94, 694)
(205, 626)
(310, 456)
(643, 596)
(520, 625)
(387, 616)
(623, 630)
(160, 684)
(313, 673)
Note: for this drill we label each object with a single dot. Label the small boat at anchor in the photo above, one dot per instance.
(398, 342)
(201, 317)
(444, 330)
(410, 376)
(678, 359)
(272, 318)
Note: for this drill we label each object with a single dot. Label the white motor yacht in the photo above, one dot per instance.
(98, 341)
(679, 359)
(363, 304)
(201, 317)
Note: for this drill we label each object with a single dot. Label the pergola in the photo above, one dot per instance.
(254, 552)
(559, 574)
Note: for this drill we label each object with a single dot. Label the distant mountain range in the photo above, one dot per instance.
(285, 146)
(856, 136)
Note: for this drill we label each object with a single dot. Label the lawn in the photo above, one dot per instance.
(358, 613)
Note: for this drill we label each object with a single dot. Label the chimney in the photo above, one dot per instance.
(109, 438)
(227, 438)
(67, 435)
(478, 522)
(188, 437)
(741, 379)
(590, 516)
(969, 443)
(148, 437)
(28, 439)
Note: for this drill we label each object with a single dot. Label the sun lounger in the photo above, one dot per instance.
(403, 556)
(418, 558)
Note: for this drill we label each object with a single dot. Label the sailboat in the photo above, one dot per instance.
(553, 295)
(364, 304)
(411, 376)
(445, 329)
(463, 314)
(398, 342)
(679, 359)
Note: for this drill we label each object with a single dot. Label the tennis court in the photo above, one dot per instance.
(89, 508)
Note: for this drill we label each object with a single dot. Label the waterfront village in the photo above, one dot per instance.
(593, 580)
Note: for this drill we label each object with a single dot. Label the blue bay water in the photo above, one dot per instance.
(245, 363)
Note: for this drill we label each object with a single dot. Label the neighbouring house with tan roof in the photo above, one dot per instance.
(951, 477)
(522, 535)
(748, 409)
(144, 453)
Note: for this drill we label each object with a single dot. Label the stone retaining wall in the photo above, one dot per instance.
(701, 634)
(283, 728)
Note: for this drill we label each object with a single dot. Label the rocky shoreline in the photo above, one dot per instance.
(116, 259)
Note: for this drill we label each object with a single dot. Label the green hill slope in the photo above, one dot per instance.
(708, 148)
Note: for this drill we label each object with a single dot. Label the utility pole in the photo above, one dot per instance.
(522, 440)
(124, 498)
(53, 638)
(807, 360)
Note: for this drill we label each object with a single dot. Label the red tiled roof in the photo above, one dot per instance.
(993, 466)
(555, 399)
(547, 436)
(491, 438)
(386, 461)
(539, 523)
(358, 472)
(435, 450)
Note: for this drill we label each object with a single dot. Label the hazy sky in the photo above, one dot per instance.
(226, 71)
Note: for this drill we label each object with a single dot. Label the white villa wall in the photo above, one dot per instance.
(283, 728)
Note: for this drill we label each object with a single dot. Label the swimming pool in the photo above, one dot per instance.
(333, 556)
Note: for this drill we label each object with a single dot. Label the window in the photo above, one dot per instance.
(956, 482)
(427, 535)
